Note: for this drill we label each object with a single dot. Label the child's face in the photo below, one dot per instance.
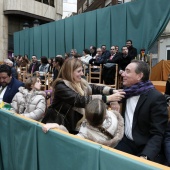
(115, 106)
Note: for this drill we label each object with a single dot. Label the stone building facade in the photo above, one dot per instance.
(16, 14)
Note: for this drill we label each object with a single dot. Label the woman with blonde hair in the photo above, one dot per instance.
(71, 93)
(30, 101)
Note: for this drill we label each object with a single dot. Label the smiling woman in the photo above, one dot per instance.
(71, 93)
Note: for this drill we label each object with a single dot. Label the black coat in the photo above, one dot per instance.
(69, 103)
(149, 123)
(167, 143)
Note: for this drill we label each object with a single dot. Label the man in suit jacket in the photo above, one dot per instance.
(145, 113)
(34, 66)
(8, 84)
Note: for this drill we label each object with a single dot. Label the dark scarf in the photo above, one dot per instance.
(138, 89)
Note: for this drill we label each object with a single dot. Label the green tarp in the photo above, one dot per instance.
(142, 21)
(23, 146)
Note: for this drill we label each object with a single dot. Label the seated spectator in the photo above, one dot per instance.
(102, 126)
(105, 53)
(85, 59)
(44, 65)
(115, 106)
(26, 58)
(13, 69)
(57, 64)
(92, 51)
(145, 112)
(34, 66)
(50, 68)
(98, 59)
(23, 62)
(30, 101)
(122, 59)
(132, 51)
(73, 53)
(8, 84)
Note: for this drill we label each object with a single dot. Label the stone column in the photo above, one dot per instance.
(3, 34)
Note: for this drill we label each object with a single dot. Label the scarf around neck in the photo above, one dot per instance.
(138, 89)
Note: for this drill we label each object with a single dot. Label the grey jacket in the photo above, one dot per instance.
(30, 104)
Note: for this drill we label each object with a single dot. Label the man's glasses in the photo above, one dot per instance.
(112, 49)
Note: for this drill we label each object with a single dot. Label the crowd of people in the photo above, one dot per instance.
(133, 119)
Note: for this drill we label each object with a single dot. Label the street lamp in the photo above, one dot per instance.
(26, 25)
(36, 23)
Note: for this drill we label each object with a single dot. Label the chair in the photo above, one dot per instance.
(114, 77)
(26, 76)
(95, 74)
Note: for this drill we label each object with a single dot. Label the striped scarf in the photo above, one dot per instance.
(138, 89)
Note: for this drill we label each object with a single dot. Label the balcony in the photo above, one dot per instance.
(31, 7)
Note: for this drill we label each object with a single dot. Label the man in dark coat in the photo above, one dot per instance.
(34, 66)
(145, 113)
(132, 51)
(8, 84)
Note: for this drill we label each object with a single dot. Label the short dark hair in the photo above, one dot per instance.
(5, 68)
(87, 51)
(142, 67)
(129, 40)
(44, 60)
(60, 60)
(95, 112)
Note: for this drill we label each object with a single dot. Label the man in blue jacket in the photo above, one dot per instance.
(8, 84)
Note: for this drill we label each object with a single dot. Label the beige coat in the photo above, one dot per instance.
(32, 105)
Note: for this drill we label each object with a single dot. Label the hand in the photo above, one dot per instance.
(116, 97)
(49, 126)
(121, 71)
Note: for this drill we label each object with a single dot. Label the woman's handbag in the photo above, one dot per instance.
(54, 116)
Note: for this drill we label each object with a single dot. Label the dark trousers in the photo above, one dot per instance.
(129, 146)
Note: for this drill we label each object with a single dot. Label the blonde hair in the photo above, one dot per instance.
(66, 73)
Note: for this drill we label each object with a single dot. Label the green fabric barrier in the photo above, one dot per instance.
(21, 42)
(52, 32)
(118, 25)
(26, 42)
(23, 146)
(90, 28)
(37, 41)
(114, 161)
(59, 151)
(69, 34)
(18, 143)
(31, 42)
(60, 37)
(103, 27)
(17, 43)
(79, 36)
(45, 38)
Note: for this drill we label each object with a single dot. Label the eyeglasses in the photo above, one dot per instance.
(99, 51)
(112, 49)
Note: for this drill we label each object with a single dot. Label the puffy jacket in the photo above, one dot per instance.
(30, 104)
